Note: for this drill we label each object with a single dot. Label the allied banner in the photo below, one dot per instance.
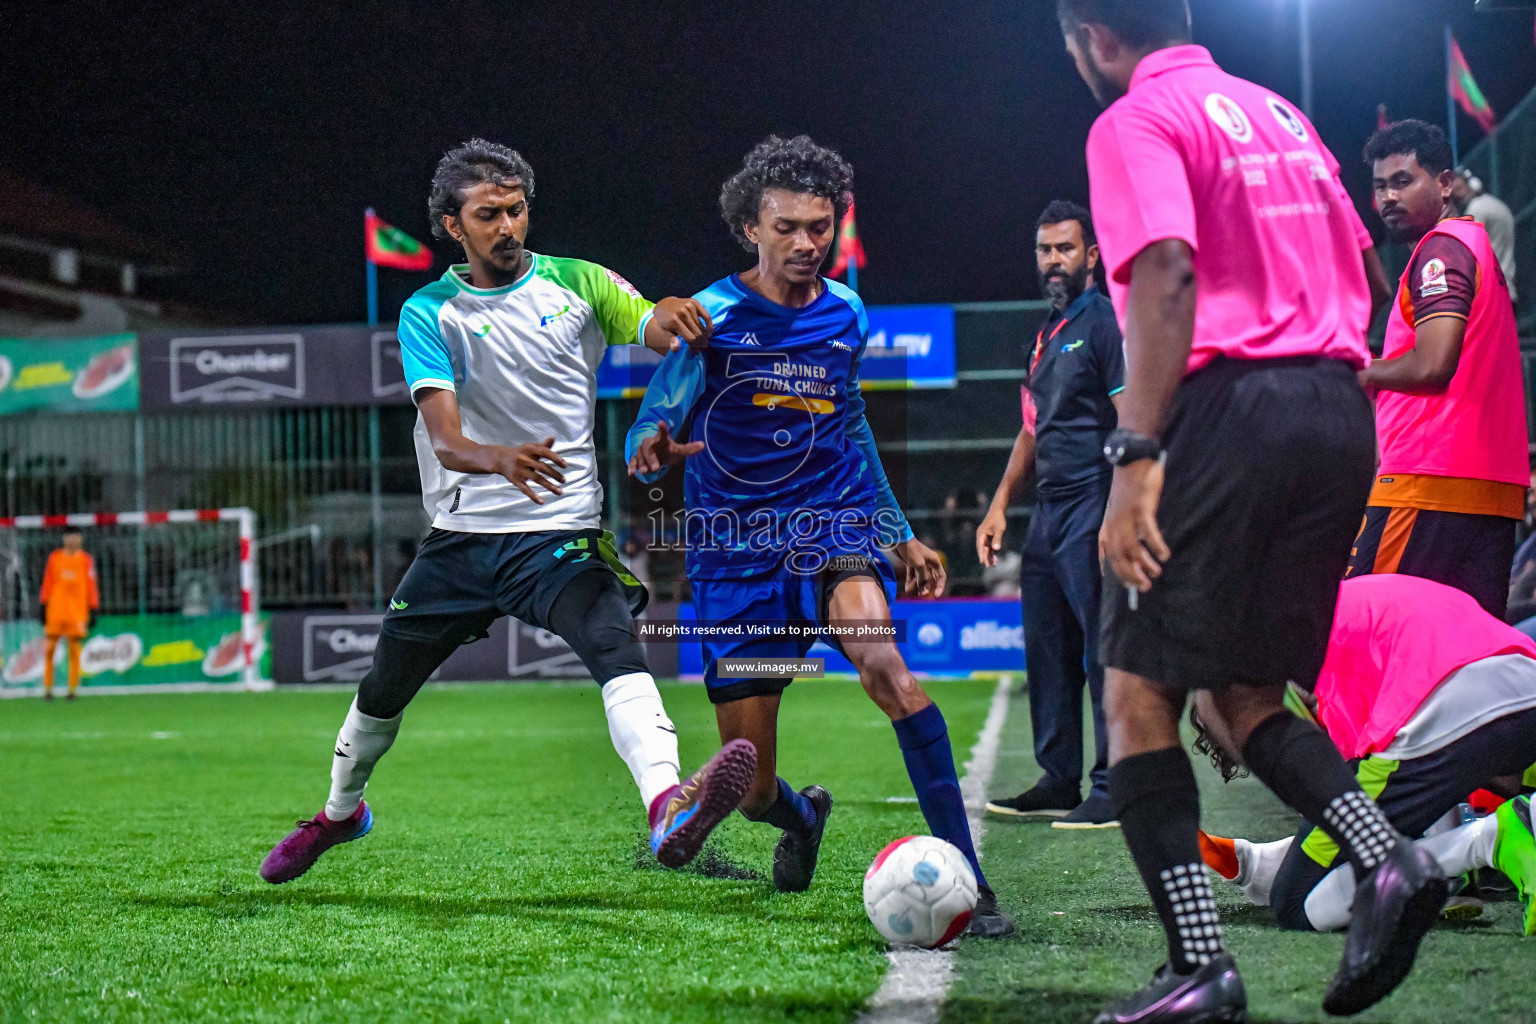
(69, 374)
(298, 366)
(134, 651)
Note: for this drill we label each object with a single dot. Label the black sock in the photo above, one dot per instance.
(1301, 765)
(1158, 804)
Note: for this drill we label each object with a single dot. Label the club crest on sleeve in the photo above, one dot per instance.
(1288, 119)
(1229, 117)
(618, 279)
(1432, 279)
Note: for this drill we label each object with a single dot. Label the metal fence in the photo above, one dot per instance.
(337, 495)
(1506, 161)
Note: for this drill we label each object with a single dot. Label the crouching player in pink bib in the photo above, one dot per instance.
(1431, 697)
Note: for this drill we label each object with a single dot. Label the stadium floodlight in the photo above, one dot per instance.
(1304, 29)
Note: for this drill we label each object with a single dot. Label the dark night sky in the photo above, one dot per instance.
(251, 137)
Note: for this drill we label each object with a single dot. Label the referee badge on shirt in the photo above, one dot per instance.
(1432, 281)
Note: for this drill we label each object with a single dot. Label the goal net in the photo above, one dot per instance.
(179, 603)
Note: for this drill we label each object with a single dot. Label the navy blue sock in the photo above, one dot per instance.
(789, 811)
(924, 740)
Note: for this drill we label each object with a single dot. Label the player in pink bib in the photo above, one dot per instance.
(1450, 411)
(1433, 698)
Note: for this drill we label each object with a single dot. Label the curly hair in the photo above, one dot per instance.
(795, 165)
(468, 165)
(1428, 142)
(1207, 745)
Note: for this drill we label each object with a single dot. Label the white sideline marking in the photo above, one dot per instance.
(917, 981)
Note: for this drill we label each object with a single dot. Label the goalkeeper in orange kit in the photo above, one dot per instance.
(67, 607)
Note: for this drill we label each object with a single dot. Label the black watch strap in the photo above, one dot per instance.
(1123, 447)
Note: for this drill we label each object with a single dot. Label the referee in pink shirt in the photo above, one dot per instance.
(1243, 459)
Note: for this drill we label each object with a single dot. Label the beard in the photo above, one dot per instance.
(1063, 289)
(1105, 91)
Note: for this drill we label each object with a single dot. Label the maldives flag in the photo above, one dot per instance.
(849, 248)
(388, 246)
(1464, 88)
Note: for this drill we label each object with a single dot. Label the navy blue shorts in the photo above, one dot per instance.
(781, 595)
(460, 583)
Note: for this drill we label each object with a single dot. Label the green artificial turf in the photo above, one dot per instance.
(505, 881)
(1087, 933)
(504, 878)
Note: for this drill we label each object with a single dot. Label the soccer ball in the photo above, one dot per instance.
(920, 891)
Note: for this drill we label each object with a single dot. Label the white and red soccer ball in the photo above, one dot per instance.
(920, 891)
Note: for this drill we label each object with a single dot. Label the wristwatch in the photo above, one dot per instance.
(1123, 447)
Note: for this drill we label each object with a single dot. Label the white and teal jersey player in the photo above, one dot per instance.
(500, 355)
(787, 503)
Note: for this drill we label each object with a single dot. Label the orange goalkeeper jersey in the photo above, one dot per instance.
(69, 592)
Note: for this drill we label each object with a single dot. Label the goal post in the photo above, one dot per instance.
(179, 589)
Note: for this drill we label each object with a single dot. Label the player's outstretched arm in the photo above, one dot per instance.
(523, 465)
(658, 451)
(926, 575)
(675, 322)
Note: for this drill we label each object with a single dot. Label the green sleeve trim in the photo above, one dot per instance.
(1372, 774)
(619, 309)
(1117, 390)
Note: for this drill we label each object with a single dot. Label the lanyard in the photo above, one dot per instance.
(1041, 339)
(1067, 316)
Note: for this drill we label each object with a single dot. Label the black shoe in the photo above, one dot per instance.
(1095, 812)
(987, 921)
(1039, 801)
(1212, 994)
(794, 858)
(1394, 906)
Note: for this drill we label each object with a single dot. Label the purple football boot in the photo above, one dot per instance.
(303, 846)
(684, 816)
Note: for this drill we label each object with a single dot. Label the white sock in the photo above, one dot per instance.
(1464, 848)
(1259, 863)
(1459, 850)
(362, 741)
(642, 733)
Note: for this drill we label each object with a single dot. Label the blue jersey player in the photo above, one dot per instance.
(787, 504)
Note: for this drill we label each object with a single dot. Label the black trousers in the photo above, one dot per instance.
(1059, 585)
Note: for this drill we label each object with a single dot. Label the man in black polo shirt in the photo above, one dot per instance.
(1076, 367)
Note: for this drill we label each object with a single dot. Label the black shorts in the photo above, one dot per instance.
(1269, 467)
(459, 583)
(1472, 553)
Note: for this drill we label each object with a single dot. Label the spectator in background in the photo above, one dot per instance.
(67, 606)
(1496, 218)
(1450, 411)
(1076, 367)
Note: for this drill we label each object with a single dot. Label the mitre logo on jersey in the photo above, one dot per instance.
(1229, 117)
(1288, 120)
(619, 280)
(1432, 280)
(749, 339)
